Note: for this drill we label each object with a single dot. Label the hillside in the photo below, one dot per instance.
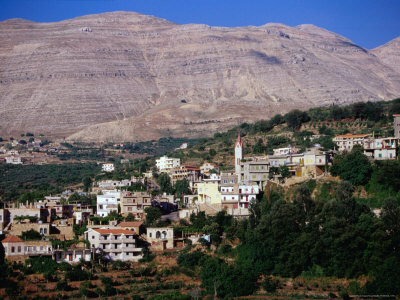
(301, 129)
(124, 76)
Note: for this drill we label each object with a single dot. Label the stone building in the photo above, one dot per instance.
(135, 203)
(160, 238)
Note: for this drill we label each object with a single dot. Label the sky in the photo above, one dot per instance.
(368, 23)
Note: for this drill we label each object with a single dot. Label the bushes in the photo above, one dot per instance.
(31, 235)
(77, 275)
(269, 284)
(40, 265)
(63, 286)
(229, 281)
(190, 260)
(120, 265)
(170, 296)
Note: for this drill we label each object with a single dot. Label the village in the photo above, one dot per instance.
(117, 227)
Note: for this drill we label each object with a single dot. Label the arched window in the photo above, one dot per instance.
(164, 234)
(158, 235)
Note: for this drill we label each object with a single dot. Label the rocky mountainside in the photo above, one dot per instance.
(126, 76)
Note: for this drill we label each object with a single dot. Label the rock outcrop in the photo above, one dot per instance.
(124, 76)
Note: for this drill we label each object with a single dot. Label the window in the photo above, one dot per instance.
(129, 208)
(232, 181)
(19, 249)
(12, 249)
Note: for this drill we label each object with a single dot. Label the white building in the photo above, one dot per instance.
(107, 203)
(396, 125)
(285, 151)
(114, 244)
(347, 141)
(238, 154)
(111, 184)
(72, 255)
(247, 193)
(108, 167)
(15, 160)
(166, 163)
(206, 168)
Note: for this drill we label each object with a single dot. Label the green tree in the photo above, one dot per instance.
(259, 147)
(164, 181)
(354, 167)
(31, 235)
(181, 187)
(130, 217)
(87, 182)
(284, 171)
(152, 214)
(212, 152)
(295, 118)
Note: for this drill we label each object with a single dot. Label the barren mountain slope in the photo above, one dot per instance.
(122, 76)
(389, 53)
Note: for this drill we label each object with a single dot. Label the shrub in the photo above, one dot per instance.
(170, 296)
(269, 284)
(62, 285)
(190, 260)
(76, 275)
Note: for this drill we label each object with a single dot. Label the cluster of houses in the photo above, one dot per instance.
(211, 191)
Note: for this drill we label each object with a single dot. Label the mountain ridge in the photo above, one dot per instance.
(122, 75)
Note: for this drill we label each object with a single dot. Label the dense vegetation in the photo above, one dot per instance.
(339, 237)
(156, 148)
(33, 182)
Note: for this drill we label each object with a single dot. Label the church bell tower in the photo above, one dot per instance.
(238, 154)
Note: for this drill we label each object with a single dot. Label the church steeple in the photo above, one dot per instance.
(238, 140)
(238, 154)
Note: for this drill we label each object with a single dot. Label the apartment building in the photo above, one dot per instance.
(114, 244)
(381, 148)
(348, 141)
(108, 167)
(165, 163)
(135, 203)
(189, 173)
(207, 167)
(255, 170)
(108, 203)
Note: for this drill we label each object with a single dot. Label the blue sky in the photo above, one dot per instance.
(369, 23)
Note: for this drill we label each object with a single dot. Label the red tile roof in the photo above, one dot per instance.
(12, 239)
(114, 231)
(130, 224)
